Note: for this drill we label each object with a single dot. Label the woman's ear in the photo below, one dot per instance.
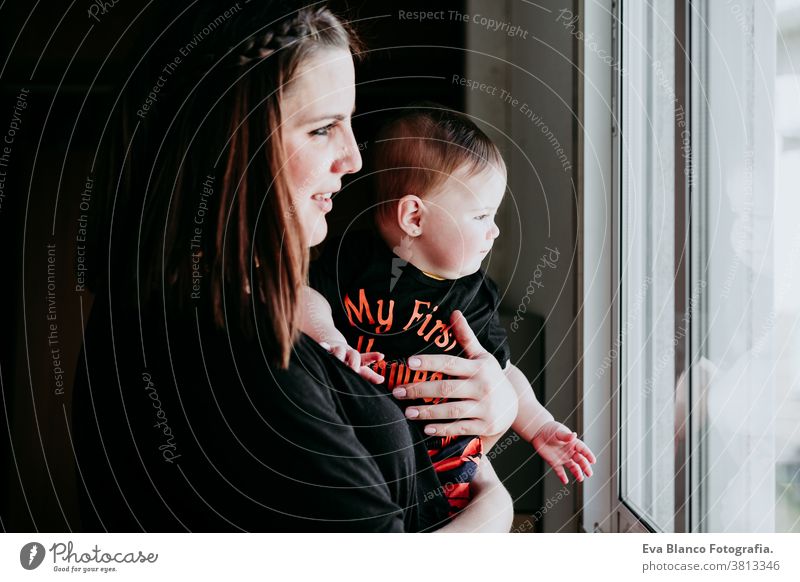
(410, 210)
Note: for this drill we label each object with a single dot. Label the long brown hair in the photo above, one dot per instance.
(218, 232)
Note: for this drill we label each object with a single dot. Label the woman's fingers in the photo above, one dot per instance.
(436, 389)
(453, 365)
(447, 410)
(449, 365)
(458, 428)
(465, 336)
(494, 402)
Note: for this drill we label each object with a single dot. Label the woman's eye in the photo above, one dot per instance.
(323, 130)
(482, 217)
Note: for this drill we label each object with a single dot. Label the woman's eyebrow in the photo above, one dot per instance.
(336, 116)
(321, 118)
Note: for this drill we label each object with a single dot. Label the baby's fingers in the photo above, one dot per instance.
(370, 375)
(353, 359)
(339, 352)
(575, 469)
(561, 473)
(583, 463)
(370, 358)
(565, 435)
(585, 451)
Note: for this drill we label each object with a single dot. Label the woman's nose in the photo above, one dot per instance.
(349, 159)
(494, 232)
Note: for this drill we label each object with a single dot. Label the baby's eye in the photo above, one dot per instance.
(322, 131)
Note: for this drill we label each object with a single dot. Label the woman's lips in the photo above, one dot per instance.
(323, 201)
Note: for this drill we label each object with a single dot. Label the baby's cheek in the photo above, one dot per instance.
(450, 250)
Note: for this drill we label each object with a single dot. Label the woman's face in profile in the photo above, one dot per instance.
(317, 136)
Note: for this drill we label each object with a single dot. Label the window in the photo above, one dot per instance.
(733, 384)
(647, 262)
(691, 369)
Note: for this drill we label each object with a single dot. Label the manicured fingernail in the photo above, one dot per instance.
(398, 392)
(430, 430)
(380, 380)
(414, 362)
(325, 345)
(412, 412)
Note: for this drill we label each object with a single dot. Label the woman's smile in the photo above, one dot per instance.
(323, 201)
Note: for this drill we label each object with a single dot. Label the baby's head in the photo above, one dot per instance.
(439, 182)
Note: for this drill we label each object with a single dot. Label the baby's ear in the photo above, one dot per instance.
(410, 209)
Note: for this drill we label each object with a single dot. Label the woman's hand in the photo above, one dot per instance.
(481, 396)
(359, 363)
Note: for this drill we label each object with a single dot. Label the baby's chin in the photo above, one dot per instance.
(451, 270)
(467, 270)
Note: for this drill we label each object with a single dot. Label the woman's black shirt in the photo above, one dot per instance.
(180, 428)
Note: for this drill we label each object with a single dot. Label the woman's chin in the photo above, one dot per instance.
(319, 233)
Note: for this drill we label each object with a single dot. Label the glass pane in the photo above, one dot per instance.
(745, 368)
(787, 269)
(647, 326)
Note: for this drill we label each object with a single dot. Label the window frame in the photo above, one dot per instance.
(606, 509)
(626, 517)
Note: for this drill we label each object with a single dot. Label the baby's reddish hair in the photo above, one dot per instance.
(419, 150)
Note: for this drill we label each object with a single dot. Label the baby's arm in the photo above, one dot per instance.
(555, 443)
(318, 319)
(531, 415)
(318, 324)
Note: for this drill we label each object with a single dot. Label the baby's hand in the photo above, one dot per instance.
(560, 447)
(360, 363)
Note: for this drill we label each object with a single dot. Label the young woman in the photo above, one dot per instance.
(199, 406)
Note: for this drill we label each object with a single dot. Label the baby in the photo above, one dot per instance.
(383, 296)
